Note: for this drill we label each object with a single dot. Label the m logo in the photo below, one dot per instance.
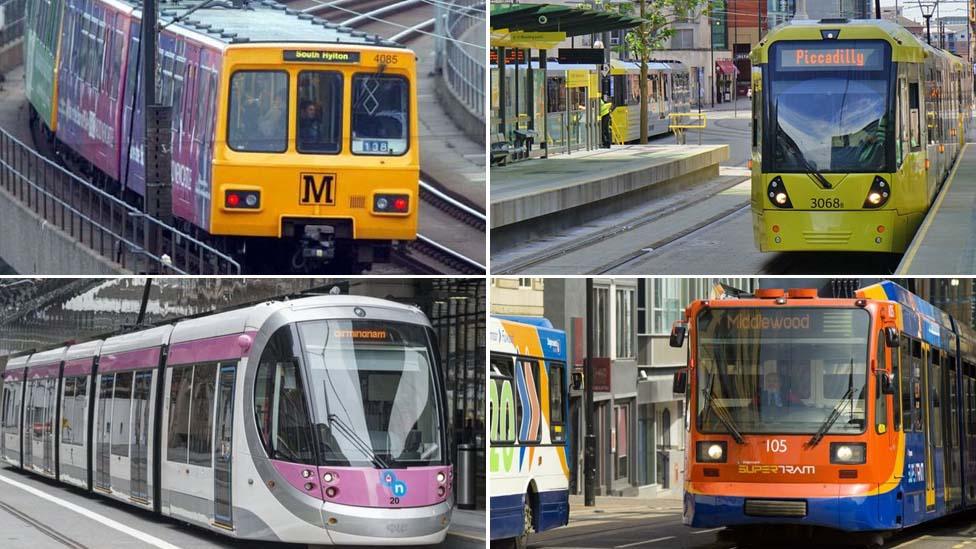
(317, 188)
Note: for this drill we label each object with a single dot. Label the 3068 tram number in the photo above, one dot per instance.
(826, 203)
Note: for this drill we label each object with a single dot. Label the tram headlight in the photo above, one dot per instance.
(441, 477)
(328, 477)
(878, 194)
(848, 453)
(711, 451)
(777, 194)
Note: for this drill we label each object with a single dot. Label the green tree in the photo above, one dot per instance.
(657, 27)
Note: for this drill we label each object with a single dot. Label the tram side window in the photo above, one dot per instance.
(557, 389)
(201, 414)
(279, 402)
(953, 408)
(503, 412)
(916, 391)
(914, 116)
(936, 394)
(181, 383)
(320, 112)
(880, 399)
(257, 116)
(896, 379)
(67, 411)
(122, 406)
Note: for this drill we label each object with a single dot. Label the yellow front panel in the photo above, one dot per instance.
(294, 185)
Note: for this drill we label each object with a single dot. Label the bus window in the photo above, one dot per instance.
(504, 420)
(529, 426)
(557, 393)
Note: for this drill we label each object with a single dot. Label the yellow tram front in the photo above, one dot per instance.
(851, 135)
(317, 145)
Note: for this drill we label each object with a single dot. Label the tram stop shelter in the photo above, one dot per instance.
(520, 102)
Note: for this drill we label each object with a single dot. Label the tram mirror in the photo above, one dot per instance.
(892, 338)
(678, 331)
(680, 381)
(885, 383)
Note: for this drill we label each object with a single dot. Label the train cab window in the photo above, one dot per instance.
(380, 111)
(502, 401)
(257, 116)
(319, 112)
(279, 402)
(557, 388)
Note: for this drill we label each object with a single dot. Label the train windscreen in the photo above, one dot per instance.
(782, 371)
(379, 114)
(374, 393)
(829, 107)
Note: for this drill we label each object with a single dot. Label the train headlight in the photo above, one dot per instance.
(441, 477)
(848, 453)
(778, 196)
(391, 203)
(328, 477)
(709, 451)
(878, 194)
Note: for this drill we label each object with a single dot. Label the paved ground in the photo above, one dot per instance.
(621, 523)
(41, 514)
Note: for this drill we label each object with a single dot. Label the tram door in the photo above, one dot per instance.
(103, 432)
(224, 445)
(50, 415)
(142, 385)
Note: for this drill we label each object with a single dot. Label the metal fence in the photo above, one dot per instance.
(11, 22)
(462, 66)
(101, 222)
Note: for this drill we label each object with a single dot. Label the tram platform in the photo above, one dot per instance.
(535, 197)
(945, 243)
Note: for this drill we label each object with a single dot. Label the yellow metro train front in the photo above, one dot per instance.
(856, 124)
(326, 135)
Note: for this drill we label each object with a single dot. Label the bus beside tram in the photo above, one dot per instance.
(811, 416)
(529, 456)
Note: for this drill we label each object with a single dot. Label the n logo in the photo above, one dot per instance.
(317, 188)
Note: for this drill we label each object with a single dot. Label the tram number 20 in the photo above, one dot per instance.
(776, 445)
(826, 203)
(394, 500)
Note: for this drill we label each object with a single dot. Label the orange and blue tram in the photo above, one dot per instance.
(811, 415)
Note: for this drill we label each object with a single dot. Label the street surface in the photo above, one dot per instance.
(42, 514)
(684, 233)
(622, 523)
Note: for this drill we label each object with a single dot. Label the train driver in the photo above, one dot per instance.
(310, 134)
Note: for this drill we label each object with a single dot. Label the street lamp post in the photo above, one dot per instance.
(589, 440)
(927, 9)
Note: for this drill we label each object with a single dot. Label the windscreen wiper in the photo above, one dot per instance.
(835, 413)
(807, 165)
(336, 422)
(720, 412)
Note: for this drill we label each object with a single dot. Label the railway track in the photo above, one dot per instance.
(409, 22)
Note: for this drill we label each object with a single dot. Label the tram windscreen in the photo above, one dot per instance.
(828, 106)
(379, 114)
(782, 370)
(374, 393)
